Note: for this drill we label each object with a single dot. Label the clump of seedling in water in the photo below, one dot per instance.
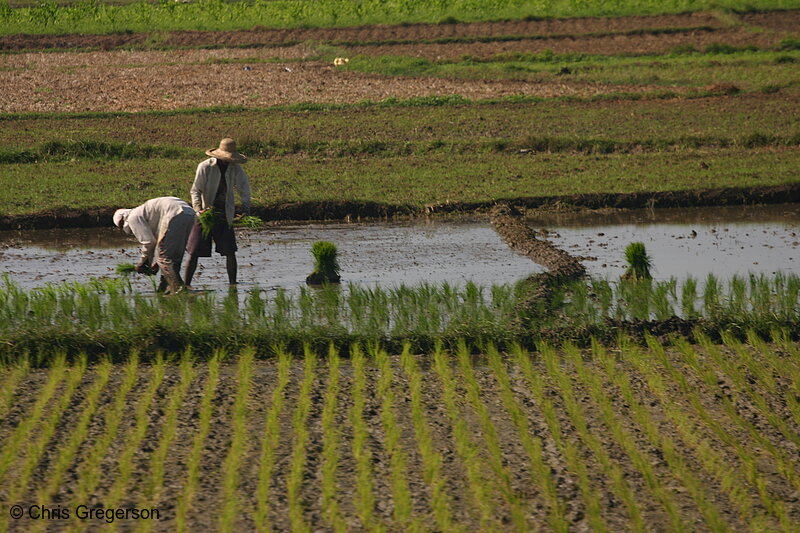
(639, 262)
(248, 222)
(326, 264)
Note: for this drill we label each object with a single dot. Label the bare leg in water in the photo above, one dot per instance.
(230, 263)
(191, 266)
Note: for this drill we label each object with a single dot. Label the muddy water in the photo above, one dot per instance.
(385, 254)
(697, 241)
(724, 241)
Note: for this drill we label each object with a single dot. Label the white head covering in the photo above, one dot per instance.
(120, 215)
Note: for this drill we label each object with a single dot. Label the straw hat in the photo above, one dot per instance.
(227, 152)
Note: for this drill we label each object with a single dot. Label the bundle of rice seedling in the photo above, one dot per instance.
(207, 220)
(248, 222)
(125, 268)
(326, 265)
(639, 262)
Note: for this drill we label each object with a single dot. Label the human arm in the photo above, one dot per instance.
(140, 228)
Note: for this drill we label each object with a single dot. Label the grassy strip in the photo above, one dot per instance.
(231, 505)
(365, 495)
(21, 434)
(491, 440)
(431, 459)
(38, 444)
(90, 471)
(269, 444)
(713, 460)
(643, 420)
(154, 484)
(331, 435)
(613, 472)
(567, 448)
(301, 436)
(49, 17)
(190, 486)
(406, 182)
(401, 496)
(540, 473)
(133, 440)
(468, 451)
(786, 467)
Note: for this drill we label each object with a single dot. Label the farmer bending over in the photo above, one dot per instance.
(162, 226)
(214, 183)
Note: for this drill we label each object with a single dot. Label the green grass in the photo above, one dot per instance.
(95, 17)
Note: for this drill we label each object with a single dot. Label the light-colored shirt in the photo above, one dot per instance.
(149, 222)
(206, 182)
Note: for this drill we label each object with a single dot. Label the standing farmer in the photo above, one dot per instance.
(214, 184)
(162, 226)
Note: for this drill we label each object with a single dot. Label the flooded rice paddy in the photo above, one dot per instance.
(681, 242)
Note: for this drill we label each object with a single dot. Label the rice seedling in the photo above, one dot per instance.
(568, 449)
(154, 484)
(689, 297)
(207, 219)
(639, 263)
(21, 434)
(248, 222)
(90, 468)
(13, 376)
(301, 436)
(125, 268)
(431, 459)
(491, 439)
(533, 446)
(326, 264)
(774, 367)
(468, 451)
(270, 441)
(36, 446)
(658, 439)
(365, 497)
(133, 440)
(239, 443)
(186, 498)
(577, 417)
(330, 445)
(391, 430)
(707, 451)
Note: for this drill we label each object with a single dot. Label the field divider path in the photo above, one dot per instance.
(492, 441)
(37, 445)
(401, 496)
(613, 470)
(431, 459)
(231, 506)
(710, 453)
(90, 470)
(21, 433)
(681, 470)
(133, 441)
(297, 465)
(154, 483)
(467, 450)
(691, 358)
(568, 449)
(186, 498)
(540, 470)
(269, 444)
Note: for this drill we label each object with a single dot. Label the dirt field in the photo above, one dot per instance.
(457, 461)
(286, 68)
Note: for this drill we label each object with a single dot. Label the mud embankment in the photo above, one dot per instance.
(350, 210)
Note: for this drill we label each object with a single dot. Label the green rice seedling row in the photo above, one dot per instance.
(673, 449)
